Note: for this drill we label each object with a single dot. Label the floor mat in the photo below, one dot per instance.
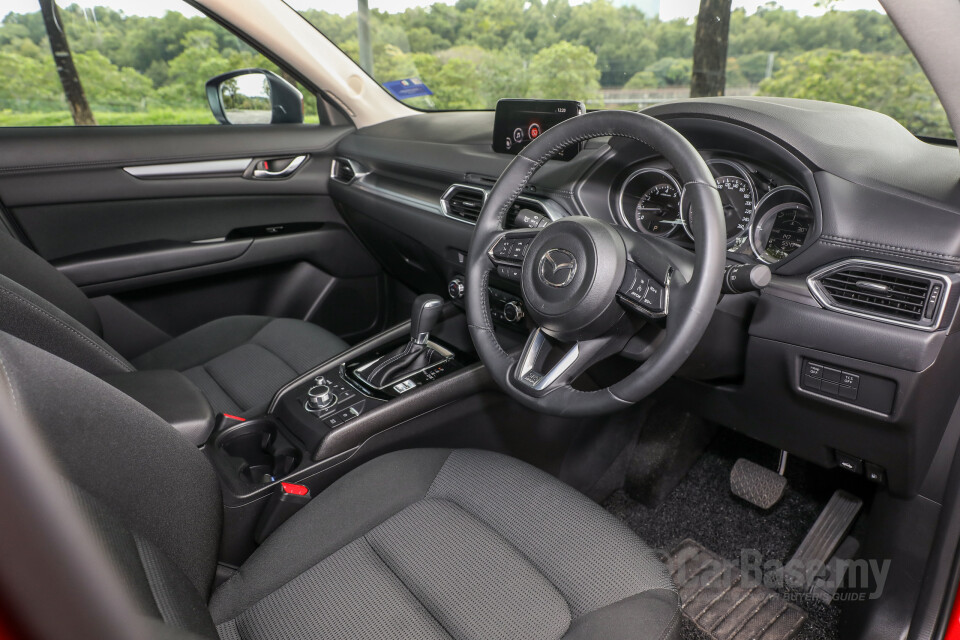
(726, 605)
(702, 508)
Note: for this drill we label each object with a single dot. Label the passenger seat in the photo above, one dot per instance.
(237, 362)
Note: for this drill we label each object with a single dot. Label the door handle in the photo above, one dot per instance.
(266, 174)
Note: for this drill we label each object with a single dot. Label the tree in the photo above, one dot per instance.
(710, 48)
(565, 71)
(877, 81)
(69, 78)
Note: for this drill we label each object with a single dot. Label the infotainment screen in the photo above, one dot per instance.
(518, 122)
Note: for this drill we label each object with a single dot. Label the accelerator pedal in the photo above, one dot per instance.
(757, 485)
(805, 570)
(724, 604)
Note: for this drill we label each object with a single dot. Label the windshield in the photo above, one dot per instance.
(629, 53)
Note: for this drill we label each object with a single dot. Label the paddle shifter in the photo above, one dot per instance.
(416, 354)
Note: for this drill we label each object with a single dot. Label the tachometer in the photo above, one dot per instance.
(738, 196)
(650, 202)
(784, 221)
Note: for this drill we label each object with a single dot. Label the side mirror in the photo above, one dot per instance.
(254, 96)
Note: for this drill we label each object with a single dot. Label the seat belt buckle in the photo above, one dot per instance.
(285, 501)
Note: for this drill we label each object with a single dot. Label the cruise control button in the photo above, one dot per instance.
(653, 297)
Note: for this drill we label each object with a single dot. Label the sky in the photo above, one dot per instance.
(669, 9)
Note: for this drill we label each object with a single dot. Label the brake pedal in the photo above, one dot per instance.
(822, 541)
(756, 484)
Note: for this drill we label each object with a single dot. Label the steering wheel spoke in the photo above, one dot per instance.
(547, 364)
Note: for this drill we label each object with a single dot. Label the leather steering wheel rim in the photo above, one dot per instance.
(696, 293)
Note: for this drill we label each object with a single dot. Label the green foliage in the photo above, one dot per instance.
(878, 81)
(642, 80)
(146, 69)
(563, 70)
(671, 71)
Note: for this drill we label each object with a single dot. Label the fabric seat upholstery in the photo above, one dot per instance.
(447, 544)
(241, 361)
(425, 543)
(237, 362)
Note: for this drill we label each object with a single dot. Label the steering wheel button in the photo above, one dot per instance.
(653, 298)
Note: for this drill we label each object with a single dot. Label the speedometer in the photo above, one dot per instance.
(738, 196)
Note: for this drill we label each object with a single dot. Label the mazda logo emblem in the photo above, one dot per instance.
(558, 267)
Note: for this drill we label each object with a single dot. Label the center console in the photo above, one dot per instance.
(322, 419)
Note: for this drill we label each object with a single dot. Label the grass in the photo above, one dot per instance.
(164, 116)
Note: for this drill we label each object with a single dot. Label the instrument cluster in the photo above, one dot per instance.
(763, 218)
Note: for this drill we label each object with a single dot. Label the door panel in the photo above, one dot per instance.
(186, 243)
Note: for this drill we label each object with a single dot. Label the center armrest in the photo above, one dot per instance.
(170, 395)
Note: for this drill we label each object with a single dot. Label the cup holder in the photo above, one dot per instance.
(259, 452)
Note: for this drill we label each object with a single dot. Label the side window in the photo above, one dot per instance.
(123, 63)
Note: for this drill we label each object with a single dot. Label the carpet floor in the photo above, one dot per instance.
(702, 508)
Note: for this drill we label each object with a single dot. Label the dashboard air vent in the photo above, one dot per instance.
(463, 202)
(343, 170)
(885, 292)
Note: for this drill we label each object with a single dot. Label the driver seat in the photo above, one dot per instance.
(427, 543)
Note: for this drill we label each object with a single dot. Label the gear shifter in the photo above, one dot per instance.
(413, 356)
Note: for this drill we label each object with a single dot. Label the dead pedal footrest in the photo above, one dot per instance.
(717, 599)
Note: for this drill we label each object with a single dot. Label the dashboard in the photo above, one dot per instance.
(858, 220)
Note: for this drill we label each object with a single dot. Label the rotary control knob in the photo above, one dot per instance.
(513, 311)
(320, 398)
(456, 288)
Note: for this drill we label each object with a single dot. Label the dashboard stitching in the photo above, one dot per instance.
(882, 252)
(946, 256)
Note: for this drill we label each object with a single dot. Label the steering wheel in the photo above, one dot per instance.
(589, 286)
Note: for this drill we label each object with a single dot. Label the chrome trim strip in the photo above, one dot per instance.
(529, 358)
(205, 168)
(445, 204)
(553, 210)
(424, 205)
(823, 298)
(358, 171)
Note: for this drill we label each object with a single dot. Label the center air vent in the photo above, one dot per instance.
(882, 291)
(463, 202)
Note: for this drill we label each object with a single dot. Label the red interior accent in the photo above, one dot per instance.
(237, 418)
(294, 489)
(953, 626)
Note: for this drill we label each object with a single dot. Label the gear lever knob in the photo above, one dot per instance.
(424, 317)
